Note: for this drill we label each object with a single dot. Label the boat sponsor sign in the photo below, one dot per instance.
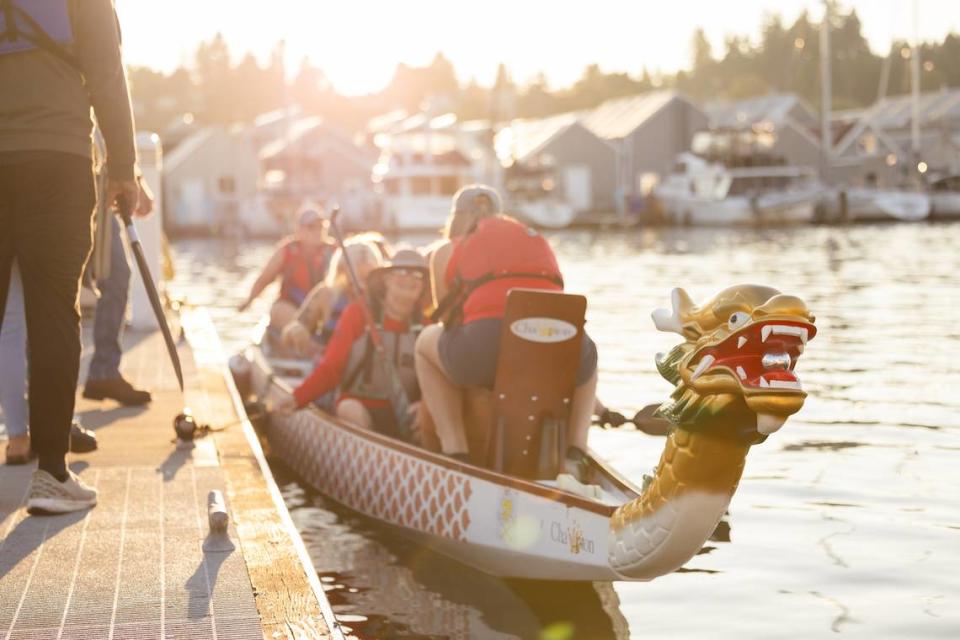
(536, 329)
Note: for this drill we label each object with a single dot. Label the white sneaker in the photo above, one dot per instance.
(48, 495)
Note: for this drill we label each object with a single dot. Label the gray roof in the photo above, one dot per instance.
(333, 138)
(895, 112)
(190, 145)
(773, 107)
(527, 137)
(619, 117)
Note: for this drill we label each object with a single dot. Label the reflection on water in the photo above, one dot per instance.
(846, 521)
(382, 586)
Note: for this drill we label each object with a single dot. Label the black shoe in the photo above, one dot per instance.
(81, 440)
(116, 389)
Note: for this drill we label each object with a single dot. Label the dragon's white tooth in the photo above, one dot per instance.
(740, 342)
(785, 384)
(788, 330)
(741, 373)
(767, 423)
(765, 332)
(763, 383)
(705, 364)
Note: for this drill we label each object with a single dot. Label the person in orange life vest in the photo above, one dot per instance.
(397, 293)
(317, 317)
(488, 254)
(301, 261)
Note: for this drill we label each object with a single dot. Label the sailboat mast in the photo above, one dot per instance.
(826, 138)
(915, 90)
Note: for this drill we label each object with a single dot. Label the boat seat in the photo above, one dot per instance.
(535, 381)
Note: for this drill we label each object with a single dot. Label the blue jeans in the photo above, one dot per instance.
(111, 308)
(13, 360)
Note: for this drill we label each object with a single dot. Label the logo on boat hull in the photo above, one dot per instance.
(543, 330)
(572, 536)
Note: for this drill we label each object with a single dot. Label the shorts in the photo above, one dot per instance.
(469, 353)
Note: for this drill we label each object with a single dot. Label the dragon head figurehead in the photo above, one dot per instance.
(738, 357)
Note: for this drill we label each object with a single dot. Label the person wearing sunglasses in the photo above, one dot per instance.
(397, 293)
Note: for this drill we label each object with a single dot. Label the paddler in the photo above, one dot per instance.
(397, 295)
(317, 317)
(485, 256)
(301, 261)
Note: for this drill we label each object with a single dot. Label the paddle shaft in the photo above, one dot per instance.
(399, 401)
(645, 421)
(123, 207)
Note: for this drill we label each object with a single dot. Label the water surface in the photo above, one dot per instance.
(847, 520)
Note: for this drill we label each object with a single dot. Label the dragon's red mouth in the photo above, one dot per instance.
(761, 356)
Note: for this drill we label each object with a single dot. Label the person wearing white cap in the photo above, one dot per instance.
(301, 261)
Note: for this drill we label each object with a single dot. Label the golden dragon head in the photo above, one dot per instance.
(738, 358)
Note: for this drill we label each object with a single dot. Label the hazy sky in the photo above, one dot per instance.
(359, 42)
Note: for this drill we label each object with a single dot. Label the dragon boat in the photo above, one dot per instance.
(735, 384)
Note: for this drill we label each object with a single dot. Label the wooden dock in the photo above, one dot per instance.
(135, 567)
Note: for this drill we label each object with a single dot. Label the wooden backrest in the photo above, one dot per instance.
(536, 378)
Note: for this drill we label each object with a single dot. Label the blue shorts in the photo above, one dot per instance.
(469, 353)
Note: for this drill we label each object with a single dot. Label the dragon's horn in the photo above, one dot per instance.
(673, 321)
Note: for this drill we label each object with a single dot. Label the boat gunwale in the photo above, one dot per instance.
(568, 499)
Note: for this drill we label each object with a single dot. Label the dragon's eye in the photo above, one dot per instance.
(738, 319)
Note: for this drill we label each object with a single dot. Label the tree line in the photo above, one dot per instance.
(217, 89)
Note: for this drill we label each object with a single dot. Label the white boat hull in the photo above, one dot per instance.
(548, 214)
(503, 526)
(886, 204)
(415, 213)
(773, 209)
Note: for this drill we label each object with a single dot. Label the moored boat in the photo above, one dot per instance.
(872, 204)
(735, 385)
(703, 193)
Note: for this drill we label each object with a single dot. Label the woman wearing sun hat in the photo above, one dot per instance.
(397, 294)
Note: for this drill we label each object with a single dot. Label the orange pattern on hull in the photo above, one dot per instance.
(376, 480)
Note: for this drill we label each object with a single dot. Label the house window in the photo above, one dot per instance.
(420, 185)
(449, 185)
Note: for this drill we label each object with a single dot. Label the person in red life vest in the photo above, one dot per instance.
(317, 317)
(301, 262)
(486, 255)
(397, 293)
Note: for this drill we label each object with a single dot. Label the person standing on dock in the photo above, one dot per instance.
(103, 375)
(57, 60)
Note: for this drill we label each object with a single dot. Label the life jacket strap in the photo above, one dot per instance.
(37, 35)
(461, 290)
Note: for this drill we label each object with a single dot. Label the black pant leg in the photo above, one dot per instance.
(52, 201)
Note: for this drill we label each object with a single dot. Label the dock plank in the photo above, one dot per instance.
(134, 566)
